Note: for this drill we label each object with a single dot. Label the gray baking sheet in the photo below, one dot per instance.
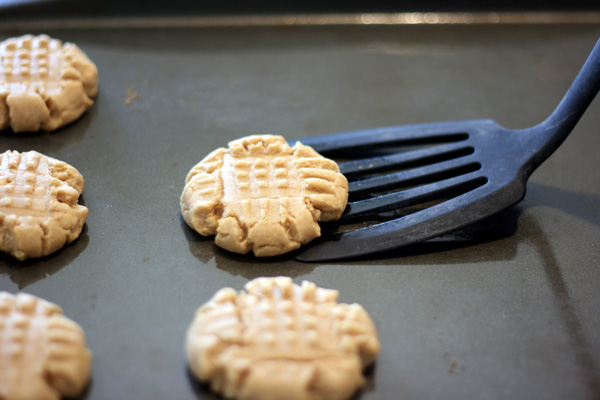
(508, 308)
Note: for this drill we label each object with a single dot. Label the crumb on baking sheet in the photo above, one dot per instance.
(131, 95)
(452, 366)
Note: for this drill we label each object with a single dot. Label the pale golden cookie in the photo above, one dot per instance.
(43, 354)
(44, 84)
(39, 213)
(280, 341)
(260, 194)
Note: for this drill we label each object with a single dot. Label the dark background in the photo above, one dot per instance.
(111, 8)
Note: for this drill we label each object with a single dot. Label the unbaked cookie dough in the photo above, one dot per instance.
(39, 210)
(279, 340)
(44, 84)
(43, 354)
(262, 195)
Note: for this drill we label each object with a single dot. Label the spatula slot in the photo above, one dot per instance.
(413, 199)
(406, 179)
(373, 146)
(374, 211)
(403, 160)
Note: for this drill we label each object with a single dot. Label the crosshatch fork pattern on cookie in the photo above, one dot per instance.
(25, 184)
(39, 210)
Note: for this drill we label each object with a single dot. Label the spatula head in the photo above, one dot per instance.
(459, 173)
(413, 183)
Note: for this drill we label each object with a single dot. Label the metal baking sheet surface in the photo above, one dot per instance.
(505, 309)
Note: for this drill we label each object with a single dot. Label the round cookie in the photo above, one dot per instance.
(39, 213)
(262, 195)
(279, 340)
(44, 84)
(43, 354)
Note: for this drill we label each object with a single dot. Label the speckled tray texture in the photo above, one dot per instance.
(505, 309)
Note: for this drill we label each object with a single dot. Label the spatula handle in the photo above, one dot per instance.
(544, 138)
(577, 99)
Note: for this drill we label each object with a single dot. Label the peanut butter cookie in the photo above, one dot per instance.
(279, 340)
(262, 195)
(44, 84)
(43, 354)
(39, 210)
